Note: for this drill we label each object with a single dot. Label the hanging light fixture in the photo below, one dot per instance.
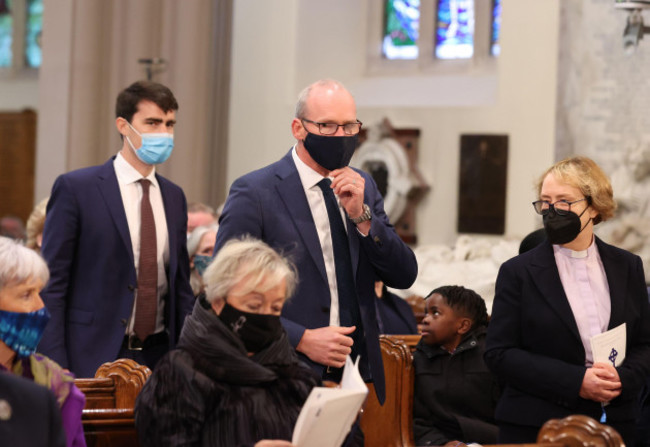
(635, 28)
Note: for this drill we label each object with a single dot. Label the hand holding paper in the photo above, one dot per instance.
(328, 413)
(601, 382)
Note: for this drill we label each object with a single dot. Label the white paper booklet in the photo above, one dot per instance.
(328, 413)
(609, 346)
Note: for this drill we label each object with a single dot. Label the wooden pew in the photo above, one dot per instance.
(578, 431)
(417, 306)
(108, 418)
(391, 425)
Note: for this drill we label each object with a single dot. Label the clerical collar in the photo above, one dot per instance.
(581, 254)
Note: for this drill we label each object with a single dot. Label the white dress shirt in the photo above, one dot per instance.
(309, 179)
(131, 191)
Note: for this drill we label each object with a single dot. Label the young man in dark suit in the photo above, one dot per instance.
(115, 243)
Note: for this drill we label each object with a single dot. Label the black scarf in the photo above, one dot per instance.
(221, 355)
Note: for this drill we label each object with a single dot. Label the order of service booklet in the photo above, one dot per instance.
(328, 413)
(610, 346)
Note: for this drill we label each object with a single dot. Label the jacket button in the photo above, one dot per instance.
(123, 321)
(325, 309)
(131, 287)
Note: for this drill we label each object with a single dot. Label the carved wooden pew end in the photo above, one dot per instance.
(108, 417)
(579, 431)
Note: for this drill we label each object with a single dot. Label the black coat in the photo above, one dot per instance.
(534, 345)
(29, 414)
(455, 394)
(209, 392)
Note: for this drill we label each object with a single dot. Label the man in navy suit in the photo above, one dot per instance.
(286, 205)
(115, 243)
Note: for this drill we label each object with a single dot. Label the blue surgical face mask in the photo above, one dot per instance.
(156, 147)
(22, 331)
(201, 262)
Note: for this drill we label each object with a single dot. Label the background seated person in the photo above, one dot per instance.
(34, 416)
(200, 245)
(234, 379)
(23, 317)
(394, 315)
(199, 215)
(454, 393)
(35, 225)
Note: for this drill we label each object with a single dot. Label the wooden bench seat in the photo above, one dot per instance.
(391, 425)
(108, 418)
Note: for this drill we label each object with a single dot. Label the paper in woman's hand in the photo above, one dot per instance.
(328, 413)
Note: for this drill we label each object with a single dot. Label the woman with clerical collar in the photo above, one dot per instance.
(551, 301)
(233, 379)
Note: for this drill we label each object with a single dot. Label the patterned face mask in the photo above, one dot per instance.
(22, 331)
(201, 262)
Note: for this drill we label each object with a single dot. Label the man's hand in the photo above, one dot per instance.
(327, 345)
(349, 186)
(601, 383)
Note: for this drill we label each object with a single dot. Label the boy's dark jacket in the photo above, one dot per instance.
(455, 394)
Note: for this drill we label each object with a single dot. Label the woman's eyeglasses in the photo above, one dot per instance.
(561, 207)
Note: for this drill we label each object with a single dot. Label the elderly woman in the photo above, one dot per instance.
(234, 379)
(549, 303)
(23, 317)
(200, 245)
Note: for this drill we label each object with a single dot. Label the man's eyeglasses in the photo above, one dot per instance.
(331, 128)
(561, 207)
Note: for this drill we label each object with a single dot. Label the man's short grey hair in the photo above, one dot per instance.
(195, 237)
(301, 105)
(247, 258)
(19, 264)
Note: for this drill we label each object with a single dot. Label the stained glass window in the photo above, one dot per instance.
(6, 28)
(16, 34)
(495, 47)
(33, 31)
(402, 23)
(455, 29)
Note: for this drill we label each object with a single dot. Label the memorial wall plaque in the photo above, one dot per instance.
(482, 184)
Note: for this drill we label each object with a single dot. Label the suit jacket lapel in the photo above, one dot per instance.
(171, 230)
(546, 277)
(110, 191)
(616, 274)
(292, 193)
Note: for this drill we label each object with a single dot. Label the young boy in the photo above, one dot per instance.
(455, 394)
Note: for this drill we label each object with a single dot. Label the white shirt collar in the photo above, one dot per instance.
(127, 174)
(308, 177)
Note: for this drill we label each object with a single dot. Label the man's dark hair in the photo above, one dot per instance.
(465, 302)
(127, 101)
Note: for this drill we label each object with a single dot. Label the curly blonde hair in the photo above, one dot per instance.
(35, 224)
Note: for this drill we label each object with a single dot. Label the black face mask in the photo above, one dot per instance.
(562, 229)
(256, 331)
(331, 152)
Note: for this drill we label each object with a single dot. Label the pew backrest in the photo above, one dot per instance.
(391, 425)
